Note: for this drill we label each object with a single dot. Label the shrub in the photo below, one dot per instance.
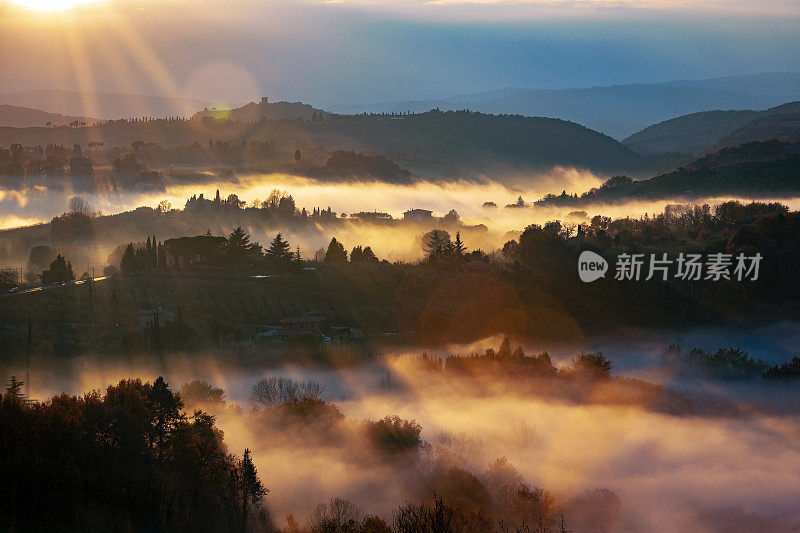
(394, 435)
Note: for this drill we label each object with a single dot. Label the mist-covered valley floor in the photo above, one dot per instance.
(725, 463)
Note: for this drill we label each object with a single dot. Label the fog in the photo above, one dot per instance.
(672, 473)
(393, 242)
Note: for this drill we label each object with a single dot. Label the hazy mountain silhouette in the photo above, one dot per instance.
(103, 105)
(618, 110)
(24, 117)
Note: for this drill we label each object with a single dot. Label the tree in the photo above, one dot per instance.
(273, 200)
(286, 206)
(393, 435)
(97, 459)
(363, 255)
(77, 204)
(8, 279)
(458, 247)
(336, 252)
(128, 262)
(505, 349)
(437, 245)
(249, 489)
(166, 408)
(59, 272)
(233, 201)
(201, 392)
(164, 206)
(338, 515)
(71, 227)
(39, 259)
(276, 391)
(593, 364)
(14, 392)
(278, 251)
(452, 218)
(239, 248)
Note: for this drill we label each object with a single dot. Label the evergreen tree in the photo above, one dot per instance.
(279, 251)
(336, 252)
(458, 247)
(161, 261)
(363, 255)
(505, 349)
(153, 257)
(239, 247)
(437, 245)
(128, 263)
(250, 490)
(166, 408)
(59, 272)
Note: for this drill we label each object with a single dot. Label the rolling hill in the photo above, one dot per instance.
(104, 106)
(255, 111)
(697, 133)
(433, 144)
(24, 117)
(756, 169)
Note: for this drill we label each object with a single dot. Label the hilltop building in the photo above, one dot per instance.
(418, 215)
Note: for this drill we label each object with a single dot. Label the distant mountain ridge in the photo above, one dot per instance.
(617, 110)
(24, 117)
(102, 105)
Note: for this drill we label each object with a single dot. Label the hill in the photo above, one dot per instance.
(256, 111)
(783, 126)
(488, 142)
(697, 133)
(24, 117)
(619, 110)
(105, 106)
(756, 169)
(433, 144)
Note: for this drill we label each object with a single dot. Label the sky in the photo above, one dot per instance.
(353, 51)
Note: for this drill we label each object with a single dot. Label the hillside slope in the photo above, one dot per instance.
(784, 127)
(757, 169)
(451, 144)
(698, 133)
(105, 106)
(24, 117)
(255, 111)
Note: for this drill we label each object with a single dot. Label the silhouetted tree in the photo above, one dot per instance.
(59, 272)
(336, 252)
(279, 252)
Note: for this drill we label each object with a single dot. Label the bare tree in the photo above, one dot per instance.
(79, 205)
(338, 515)
(270, 392)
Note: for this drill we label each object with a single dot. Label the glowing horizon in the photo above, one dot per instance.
(51, 5)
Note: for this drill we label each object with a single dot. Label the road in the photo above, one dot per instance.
(50, 287)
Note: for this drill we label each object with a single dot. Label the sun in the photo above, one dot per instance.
(51, 5)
